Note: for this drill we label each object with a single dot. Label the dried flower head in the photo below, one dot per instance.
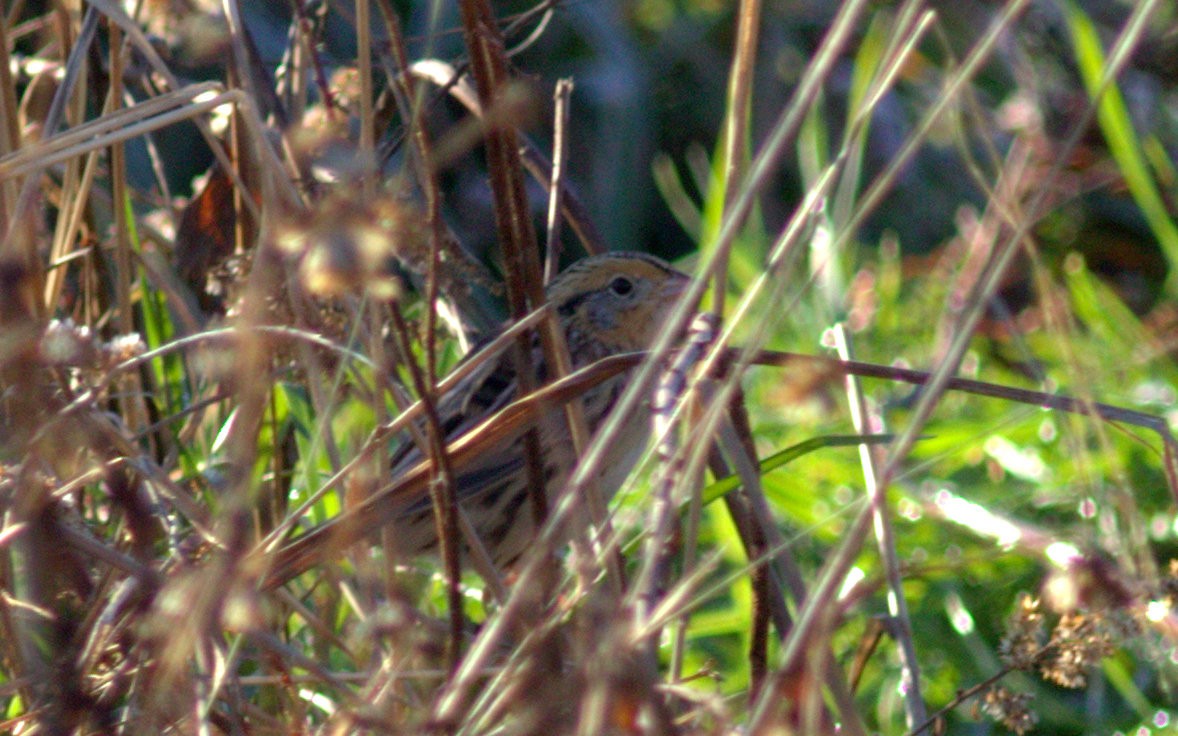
(1009, 708)
(1025, 635)
(347, 246)
(1078, 642)
(67, 345)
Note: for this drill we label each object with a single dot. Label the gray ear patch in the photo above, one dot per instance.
(598, 311)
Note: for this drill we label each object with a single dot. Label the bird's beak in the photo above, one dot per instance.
(675, 287)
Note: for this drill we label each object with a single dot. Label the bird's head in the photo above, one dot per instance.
(619, 300)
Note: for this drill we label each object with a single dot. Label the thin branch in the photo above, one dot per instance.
(885, 535)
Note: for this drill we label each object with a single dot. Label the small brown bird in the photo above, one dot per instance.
(606, 305)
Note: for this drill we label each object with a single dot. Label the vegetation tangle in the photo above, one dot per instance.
(566, 367)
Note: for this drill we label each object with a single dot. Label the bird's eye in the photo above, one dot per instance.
(621, 286)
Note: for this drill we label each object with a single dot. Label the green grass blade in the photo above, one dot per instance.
(1126, 147)
(791, 453)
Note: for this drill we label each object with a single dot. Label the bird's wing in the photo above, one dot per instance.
(488, 389)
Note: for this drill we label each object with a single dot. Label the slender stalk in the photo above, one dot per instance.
(886, 538)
